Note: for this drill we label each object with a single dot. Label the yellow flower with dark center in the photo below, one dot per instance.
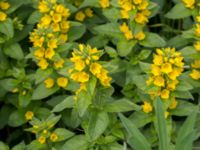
(55, 27)
(159, 81)
(46, 20)
(29, 115)
(43, 7)
(4, 5)
(41, 139)
(38, 42)
(146, 107)
(139, 36)
(195, 74)
(53, 137)
(59, 8)
(189, 3)
(165, 94)
(43, 64)
(62, 82)
(104, 3)
(64, 25)
(95, 68)
(49, 83)
(39, 53)
(63, 38)
(2, 16)
(89, 12)
(56, 17)
(80, 16)
(166, 68)
(52, 43)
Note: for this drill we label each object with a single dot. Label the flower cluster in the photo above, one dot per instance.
(50, 33)
(85, 60)
(61, 82)
(167, 66)
(189, 3)
(128, 33)
(82, 14)
(3, 6)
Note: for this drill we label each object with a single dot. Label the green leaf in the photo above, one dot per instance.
(76, 31)
(137, 140)
(121, 105)
(97, 124)
(83, 101)
(34, 17)
(144, 54)
(14, 51)
(113, 14)
(146, 67)
(16, 119)
(161, 125)
(125, 47)
(35, 145)
(183, 94)
(111, 52)
(20, 146)
(153, 40)
(6, 27)
(42, 92)
(3, 146)
(78, 142)
(91, 3)
(63, 134)
(186, 133)
(8, 84)
(179, 11)
(184, 86)
(98, 41)
(66, 103)
(41, 75)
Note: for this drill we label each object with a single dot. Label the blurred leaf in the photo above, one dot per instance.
(34, 17)
(76, 31)
(153, 40)
(68, 102)
(137, 141)
(63, 134)
(125, 47)
(16, 118)
(6, 27)
(91, 3)
(3, 146)
(14, 51)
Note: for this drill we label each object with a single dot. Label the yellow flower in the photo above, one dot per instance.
(39, 53)
(172, 85)
(165, 94)
(141, 18)
(104, 3)
(124, 14)
(2, 16)
(189, 3)
(197, 30)
(137, 2)
(196, 64)
(147, 108)
(15, 90)
(42, 139)
(80, 77)
(89, 12)
(128, 35)
(38, 42)
(57, 17)
(198, 18)
(140, 36)
(149, 81)
(4, 5)
(95, 68)
(46, 20)
(63, 38)
(159, 81)
(65, 25)
(157, 60)
(197, 45)
(124, 27)
(66, 13)
(62, 82)
(49, 53)
(49, 83)
(29, 115)
(105, 81)
(53, 43)
(175, 73)
(59, 8)
(155, 70)
(59, 64)
(55, 27)
(53, 137)
(166, 114)
(173, 104)
(43, 7)
(43, 64)
(79, 65)
(166, 68)
(80, 16)
(195, 74)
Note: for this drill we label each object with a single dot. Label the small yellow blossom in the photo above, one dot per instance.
(95, 68)
(195, 74)
(197, 46)
(189, 3)
(2, 16)
(165, 94)
(53, 137)
(89, 12)
(139, 36)
(49, 83)
(166, 114)
(59, 64)
(147, 108)
(141, 18)
(62, 82)
(80, 16)
(29, 115)
(4, 5)
(41, 139)
(159, 81)
(104, 3)
(166, 68)
(173, 104)
(43, 64)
